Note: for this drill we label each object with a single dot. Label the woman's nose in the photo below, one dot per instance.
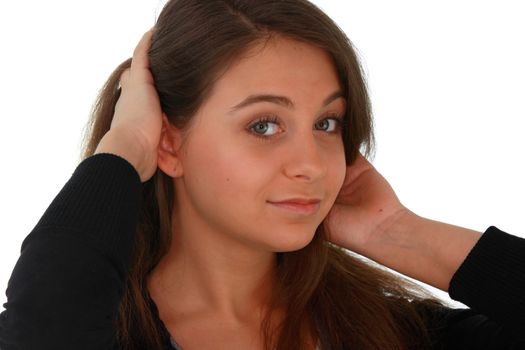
(305, 160)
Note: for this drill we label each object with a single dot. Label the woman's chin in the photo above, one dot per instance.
(292, 244)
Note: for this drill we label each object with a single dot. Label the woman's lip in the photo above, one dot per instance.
(299, 208)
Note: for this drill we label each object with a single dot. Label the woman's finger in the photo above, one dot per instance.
(140, 61)
(124, 76)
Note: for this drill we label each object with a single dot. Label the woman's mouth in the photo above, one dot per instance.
(298, 206)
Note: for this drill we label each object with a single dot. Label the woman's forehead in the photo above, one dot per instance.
(281, 66)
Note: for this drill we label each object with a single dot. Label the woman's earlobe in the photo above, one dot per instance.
(169, 150)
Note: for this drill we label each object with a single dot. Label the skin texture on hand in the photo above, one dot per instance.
(136, 126)
(369, 219)
(365, 203)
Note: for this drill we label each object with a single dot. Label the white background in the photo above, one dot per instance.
(446, 80)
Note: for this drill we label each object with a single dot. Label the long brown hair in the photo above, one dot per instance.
(328, 293)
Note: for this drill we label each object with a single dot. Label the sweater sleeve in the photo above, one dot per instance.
(65, 289)
(491, 281)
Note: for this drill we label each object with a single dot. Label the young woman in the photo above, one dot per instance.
(222, 188)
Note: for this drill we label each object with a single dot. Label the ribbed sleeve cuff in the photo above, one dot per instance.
(100, 204)
(491, 280)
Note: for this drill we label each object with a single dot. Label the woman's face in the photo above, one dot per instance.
(268, 133)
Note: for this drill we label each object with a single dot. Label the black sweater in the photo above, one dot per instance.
(65, 289)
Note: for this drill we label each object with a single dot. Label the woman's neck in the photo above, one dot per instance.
(204, 272)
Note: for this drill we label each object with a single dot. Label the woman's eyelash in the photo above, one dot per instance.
(266, 119)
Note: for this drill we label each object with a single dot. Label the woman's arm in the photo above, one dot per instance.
(369, 219)
(484, 271)
(66, 287)
(491, 282)
(427, 250)
(136, 125)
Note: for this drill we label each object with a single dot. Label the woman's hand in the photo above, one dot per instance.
(136, 126)
(369, 219)
(364, 208)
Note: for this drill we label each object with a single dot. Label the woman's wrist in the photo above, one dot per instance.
(125, 146)
(427, 250)
(396, 229)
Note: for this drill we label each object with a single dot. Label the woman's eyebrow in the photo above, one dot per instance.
(279, 100)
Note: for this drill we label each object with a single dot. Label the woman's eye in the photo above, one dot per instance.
(329, 124)
(268, 127)
(265, 128)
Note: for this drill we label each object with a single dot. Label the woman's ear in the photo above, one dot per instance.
(170, 149)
